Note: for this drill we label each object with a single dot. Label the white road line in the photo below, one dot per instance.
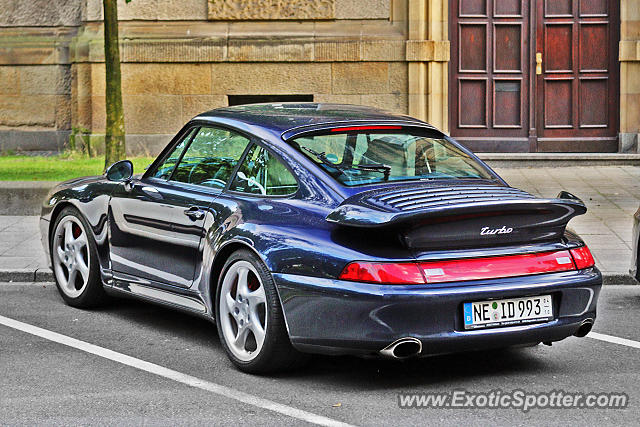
(614, 340)
(171, 374)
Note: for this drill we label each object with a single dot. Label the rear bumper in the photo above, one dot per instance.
(339, 317)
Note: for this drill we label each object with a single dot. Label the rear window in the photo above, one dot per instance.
(362, 157)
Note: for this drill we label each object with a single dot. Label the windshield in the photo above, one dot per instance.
(367, 157)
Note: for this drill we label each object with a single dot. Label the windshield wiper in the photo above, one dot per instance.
(374, 167)
(323, 158)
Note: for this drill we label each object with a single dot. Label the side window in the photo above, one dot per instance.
(211, 157)
(164, 170)
(262, 173)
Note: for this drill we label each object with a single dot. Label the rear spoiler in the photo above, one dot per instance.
(408, 206)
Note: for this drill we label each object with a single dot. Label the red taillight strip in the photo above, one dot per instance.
(459, 270)
(405, 273)
(582, 257)
(353, 128)
(496, 267)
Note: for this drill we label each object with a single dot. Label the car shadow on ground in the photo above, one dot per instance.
(365, 374)
(373, 374)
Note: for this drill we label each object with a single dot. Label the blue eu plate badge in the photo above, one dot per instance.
(468, 317)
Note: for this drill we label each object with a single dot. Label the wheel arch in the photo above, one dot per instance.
(221, 257)
(224, 252)
(55, 213)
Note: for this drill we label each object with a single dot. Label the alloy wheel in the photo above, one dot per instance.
(242, 308)
(71, 256)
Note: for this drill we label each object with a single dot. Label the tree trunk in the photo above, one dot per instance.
(114, 143)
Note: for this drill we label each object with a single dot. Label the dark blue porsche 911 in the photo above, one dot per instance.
(335, 229)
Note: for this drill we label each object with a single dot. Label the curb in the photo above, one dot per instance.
(618, 279)
(26, 275)
(46, 275)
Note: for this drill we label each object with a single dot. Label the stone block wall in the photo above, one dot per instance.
(35, 73)
(180, 58)
(343, 51)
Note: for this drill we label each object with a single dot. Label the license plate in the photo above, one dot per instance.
(503, 312)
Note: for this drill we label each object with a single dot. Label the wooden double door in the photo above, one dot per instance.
(534, 75)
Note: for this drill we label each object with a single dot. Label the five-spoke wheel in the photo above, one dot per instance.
(242, 310)
(73, 257)
(249, 317)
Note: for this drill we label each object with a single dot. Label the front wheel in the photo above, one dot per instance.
(249, 317)
(74, 259)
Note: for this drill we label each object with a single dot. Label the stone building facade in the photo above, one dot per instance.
(180, 58)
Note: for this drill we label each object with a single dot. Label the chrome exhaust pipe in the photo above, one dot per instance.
(584, 329)
(403, 348)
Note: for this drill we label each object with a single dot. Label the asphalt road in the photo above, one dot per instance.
(46, 382)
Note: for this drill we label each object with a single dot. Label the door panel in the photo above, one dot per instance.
(507, 112)
(473, 8)
(507, 8)
(473, 110)
(576, 97)
(558, 52)
(157, 224)
(558, 97)
(507, 42)
(593, 8)
(151, 237)
(594, 42)
(593, 104)
(489, 81)
(558, 8)
(473, 48)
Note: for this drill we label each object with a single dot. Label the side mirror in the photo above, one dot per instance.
(121, 171)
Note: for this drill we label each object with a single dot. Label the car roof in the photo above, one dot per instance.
(286, 116)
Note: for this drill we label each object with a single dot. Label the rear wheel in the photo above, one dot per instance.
(74, 259)
(249, 317)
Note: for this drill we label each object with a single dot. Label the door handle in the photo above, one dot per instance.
(538, 63)
(194, 213)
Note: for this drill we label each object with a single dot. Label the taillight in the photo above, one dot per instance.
(360, 128)
(495, 267)
(389, 273)
(458, 270)
(582, 257)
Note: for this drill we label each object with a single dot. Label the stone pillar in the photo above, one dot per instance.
(629, 76)
(428, 57)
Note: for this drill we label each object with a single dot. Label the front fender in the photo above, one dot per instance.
(90, 196)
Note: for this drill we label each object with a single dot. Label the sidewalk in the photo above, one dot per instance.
(612, 196)
(611, 193)
(21, 255)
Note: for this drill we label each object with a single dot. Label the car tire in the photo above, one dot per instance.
(74, 260)
(249, 317)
